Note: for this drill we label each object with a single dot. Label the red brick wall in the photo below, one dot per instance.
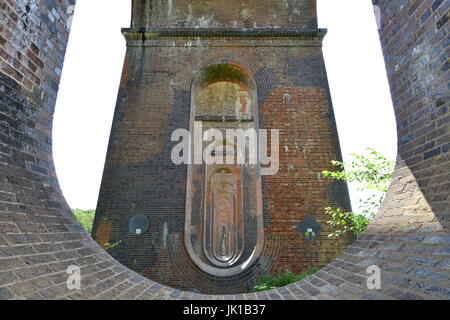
(154, 99)
(307, 144)
(224, 14)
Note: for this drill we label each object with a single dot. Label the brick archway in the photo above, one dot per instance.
(39, 237)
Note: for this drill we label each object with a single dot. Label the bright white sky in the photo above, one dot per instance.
(93, 66)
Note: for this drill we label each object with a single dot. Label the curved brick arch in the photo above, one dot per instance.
(39, 236)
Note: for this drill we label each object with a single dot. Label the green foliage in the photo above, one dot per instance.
(269, 282)
(373, 174)
(85, 218)
(108, 245)
(343, 222)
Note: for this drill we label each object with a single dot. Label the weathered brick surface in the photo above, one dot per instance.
(229, 14)
(155, 99)
(409, 239)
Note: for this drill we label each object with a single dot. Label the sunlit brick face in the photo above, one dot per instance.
(220, 13)
(224, 216)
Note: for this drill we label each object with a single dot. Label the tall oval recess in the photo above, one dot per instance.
(224, 219)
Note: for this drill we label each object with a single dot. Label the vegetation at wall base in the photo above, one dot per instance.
(269, 282)
(111, 245)
(343, 222)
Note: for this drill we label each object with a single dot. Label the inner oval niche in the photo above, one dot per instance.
(224, 220)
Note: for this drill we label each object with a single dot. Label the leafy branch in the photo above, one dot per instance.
(108, 245)
(373, 173)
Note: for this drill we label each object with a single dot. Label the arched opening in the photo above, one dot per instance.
(224, 227)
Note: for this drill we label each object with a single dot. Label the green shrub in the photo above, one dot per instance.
(108, 245)
(373, 174)
(85, 218)
(343, 222)
(269, 282)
